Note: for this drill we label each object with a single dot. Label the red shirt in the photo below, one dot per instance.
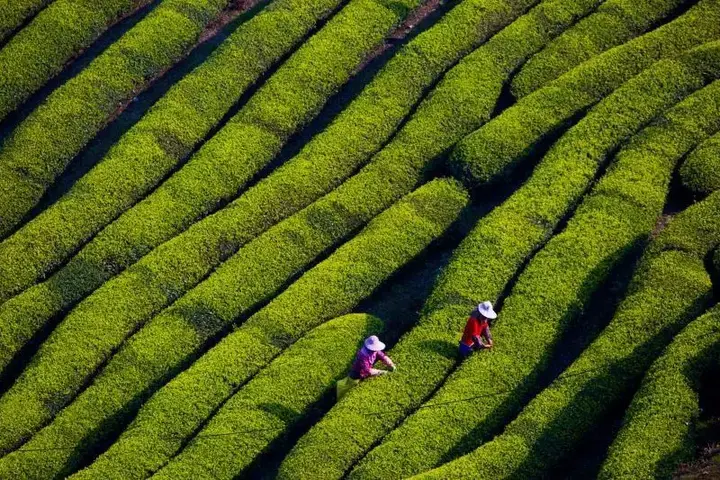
(475, 327)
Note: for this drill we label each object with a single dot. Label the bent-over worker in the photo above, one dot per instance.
(476, 335)
(364, 365)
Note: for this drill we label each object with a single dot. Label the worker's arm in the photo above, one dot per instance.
(386, 360)
(478, 341)
(488, 337)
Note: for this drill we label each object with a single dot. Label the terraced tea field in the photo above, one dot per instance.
(207, 205)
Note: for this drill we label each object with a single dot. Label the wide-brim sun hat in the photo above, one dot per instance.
(374, 344)
(486, 310)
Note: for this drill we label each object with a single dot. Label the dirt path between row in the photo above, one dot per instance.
(410, 22)
(234, 9)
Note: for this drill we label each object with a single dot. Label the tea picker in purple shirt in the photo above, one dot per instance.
(363, 366)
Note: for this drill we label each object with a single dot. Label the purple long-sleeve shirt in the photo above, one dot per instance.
(362, 367)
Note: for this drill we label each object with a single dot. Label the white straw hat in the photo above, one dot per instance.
(486, 310)
(374, 344)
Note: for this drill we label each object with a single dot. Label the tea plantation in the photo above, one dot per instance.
(206, 206)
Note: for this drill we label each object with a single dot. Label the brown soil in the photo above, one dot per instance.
(415, 17)
(706, 468)
(237, 7)
(661, 224)
(234, 9)
(411, 21)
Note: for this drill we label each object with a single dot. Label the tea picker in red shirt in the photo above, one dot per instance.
(476, 335)
(364, 365)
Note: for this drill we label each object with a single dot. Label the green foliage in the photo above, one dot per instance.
(261, 411)
(657, 432)
(39, 51)
(40, 148)
(221, 165)
(114, 249)
(500, 243)
(15, 12)
(426, 367)
(700, 173)
(669, 288)
(367, 194)
(171, 340)
(502, 145)
(458, 105)
(183, 262)
(664, 296)
(696, 233)
(117, 351)
(331, 156)
(145, 155)
(106, 354)
(614, 23)
(333, 288)
(613, 219)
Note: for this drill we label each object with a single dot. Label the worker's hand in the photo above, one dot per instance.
(393, 368)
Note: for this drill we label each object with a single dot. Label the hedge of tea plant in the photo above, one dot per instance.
(266, 407)
(43, 145)
(503, 144)
(668, 290)
(501, 242)
(174, 338)
(657, 433)
(182, 262)
(613, 23)
(58, 34)
(616, 217)
(148, 152)
(700, 173)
